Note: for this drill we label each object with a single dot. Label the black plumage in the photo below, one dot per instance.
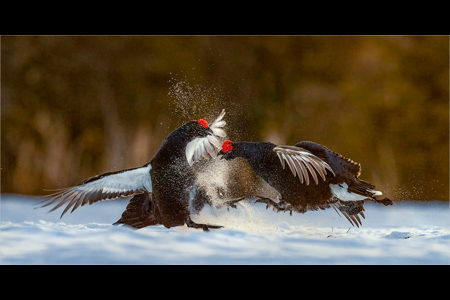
(308, 176)
(161, 189)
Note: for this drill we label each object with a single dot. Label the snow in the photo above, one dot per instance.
(408, 232)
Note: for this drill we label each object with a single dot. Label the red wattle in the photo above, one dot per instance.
(203, 123)
(226, 146)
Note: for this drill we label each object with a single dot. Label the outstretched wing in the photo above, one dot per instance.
(300, 161)
(340, 164)
(106, 186)
(206, 147)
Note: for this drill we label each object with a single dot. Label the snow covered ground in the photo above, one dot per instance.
(408, 232)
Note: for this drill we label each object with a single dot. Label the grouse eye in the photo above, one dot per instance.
(226, 146)
(203, 123)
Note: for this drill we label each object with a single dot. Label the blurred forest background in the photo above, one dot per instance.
(74, 107)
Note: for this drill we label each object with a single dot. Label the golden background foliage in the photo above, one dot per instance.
(74, 107)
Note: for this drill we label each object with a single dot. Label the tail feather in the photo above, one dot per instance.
(350, 210)
(139, 212)
(361, 187)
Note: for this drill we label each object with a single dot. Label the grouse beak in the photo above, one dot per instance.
(221, 154)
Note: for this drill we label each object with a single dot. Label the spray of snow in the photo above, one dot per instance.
(192, 102)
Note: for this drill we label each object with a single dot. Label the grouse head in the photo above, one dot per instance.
(200, 128)
(229, 150)
(204, 138)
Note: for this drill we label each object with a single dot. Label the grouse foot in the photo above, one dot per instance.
(280, 206)
(232, 203)
(205, 227)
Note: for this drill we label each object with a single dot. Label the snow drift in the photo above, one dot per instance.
(409, 232)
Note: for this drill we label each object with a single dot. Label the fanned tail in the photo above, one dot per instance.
(139, 212)
(350, 210)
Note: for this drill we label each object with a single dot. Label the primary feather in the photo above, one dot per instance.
(106, 186)
(300, 161)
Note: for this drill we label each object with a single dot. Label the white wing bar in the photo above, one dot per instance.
(300, 161)
(106, 186)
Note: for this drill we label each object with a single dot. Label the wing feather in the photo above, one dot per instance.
(319, 168)
(305, 172)
(289, 162)
(219, 122)
(210, 149)
(309, 164)
(213, 141)
(206, 147)
(301, 161)
(102, 187)
(281, 159)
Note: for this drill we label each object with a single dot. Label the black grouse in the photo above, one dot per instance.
(162, 188)
(316, 178)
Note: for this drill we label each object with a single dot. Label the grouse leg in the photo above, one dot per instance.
(232, 203)
(281, 206)
(205, 227)
(269, 202)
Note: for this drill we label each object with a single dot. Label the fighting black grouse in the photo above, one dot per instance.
(162, 188)
(317, 177)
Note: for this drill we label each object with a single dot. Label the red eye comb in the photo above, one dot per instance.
(203, 123)
(226, 146)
